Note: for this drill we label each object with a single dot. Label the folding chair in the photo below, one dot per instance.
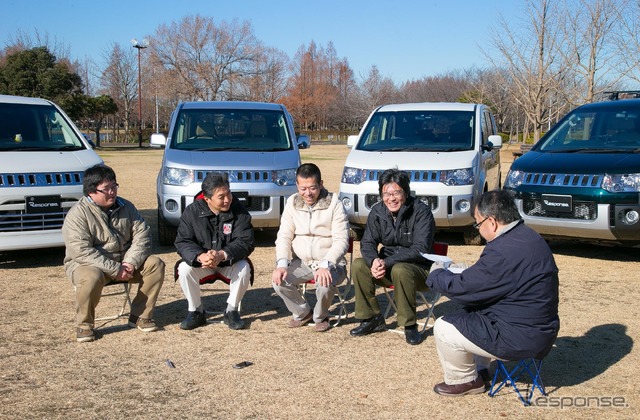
(528, 367)
(343, 290)
(211, 279)
(439, 248)
(125, 288)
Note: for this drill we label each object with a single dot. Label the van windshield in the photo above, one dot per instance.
(27, 127)
(229, 129)
(419, 130)
(599, 131)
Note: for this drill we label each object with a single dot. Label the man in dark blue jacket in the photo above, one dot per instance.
(403, 228)
(510, 299)
(215, 237)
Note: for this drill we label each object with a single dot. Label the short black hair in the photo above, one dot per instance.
(95, 176)
(395, 175)
(498, 204)
(309, 170)
(213, 181)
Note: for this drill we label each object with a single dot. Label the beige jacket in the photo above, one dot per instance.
(94, 238)
(313, 234)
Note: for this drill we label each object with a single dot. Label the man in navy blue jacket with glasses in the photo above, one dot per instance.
(510, 299)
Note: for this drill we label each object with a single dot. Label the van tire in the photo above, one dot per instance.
(472, 237)
(166, 233)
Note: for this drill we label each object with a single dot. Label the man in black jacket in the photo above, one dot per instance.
(215, 237)
(405, 228)
(510, 299)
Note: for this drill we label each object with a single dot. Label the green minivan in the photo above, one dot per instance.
(581, 181)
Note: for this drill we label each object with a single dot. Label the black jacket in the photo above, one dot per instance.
(201, 230)
(510, 296)
(402, 241)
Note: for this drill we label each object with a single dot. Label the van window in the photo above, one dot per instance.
(227, 129)
(419, 130)
(35, 127)
(611, 131)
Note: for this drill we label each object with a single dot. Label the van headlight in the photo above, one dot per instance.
(353, 175)
(457, 177)
(177, 176)
(621, 183)
(284, 177)
(514, 179)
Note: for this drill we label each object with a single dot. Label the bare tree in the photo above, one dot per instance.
(119, 80)
(203, 56)
(627, 40)
(588, 45)
(529, 58)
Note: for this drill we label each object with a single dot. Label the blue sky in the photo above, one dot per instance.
(405, 39)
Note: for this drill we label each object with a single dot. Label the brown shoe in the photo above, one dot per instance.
(323, 325)
(84, 335)
(474, 387)
(293, 323)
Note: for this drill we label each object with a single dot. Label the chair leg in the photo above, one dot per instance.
(530, 366)
(127, 302)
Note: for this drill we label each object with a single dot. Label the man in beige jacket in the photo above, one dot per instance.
(312, 241)
(107, 239)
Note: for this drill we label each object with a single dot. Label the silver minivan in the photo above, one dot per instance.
(450, 151)
(252, 142)
(43, 157)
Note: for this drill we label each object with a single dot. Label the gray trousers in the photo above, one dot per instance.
(299, 273)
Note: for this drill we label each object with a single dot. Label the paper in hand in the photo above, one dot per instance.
(445, 261)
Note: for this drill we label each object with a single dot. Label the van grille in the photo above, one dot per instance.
(430, 200)
(414, 176)
(238, 176)
(563, 180)
(19, 221)
(582, 210)
(43, 179)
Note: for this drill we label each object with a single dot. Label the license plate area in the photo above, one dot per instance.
(557, 203)
(38, 204)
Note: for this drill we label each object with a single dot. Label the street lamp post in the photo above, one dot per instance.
(139, 46)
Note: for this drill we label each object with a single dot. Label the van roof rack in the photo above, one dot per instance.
(622, 94)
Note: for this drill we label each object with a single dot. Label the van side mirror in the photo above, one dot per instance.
(158, 140)
(352, 140)
(303, 141)
(494, 142)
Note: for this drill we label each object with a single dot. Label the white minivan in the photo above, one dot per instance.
(43, 157)
(252, 142)
(449, 150)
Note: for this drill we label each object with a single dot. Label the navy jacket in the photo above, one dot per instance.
(201, 230)
(510, 296)
(402, 241)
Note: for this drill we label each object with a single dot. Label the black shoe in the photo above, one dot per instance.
(232, 319)
(412, 335)
(369, 326)
(194, 320)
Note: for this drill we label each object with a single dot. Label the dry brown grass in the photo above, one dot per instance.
(296, 373)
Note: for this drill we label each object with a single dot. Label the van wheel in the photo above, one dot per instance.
(356, 233)
(472, 237)
(166, 233)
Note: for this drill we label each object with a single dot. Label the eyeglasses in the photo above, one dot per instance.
(477, 225)
(109, 190)
(394, 194)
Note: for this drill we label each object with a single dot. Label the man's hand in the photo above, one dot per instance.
(322, 277)
(207, 259)
(125, 272)
(278, 275)
(378, 268)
